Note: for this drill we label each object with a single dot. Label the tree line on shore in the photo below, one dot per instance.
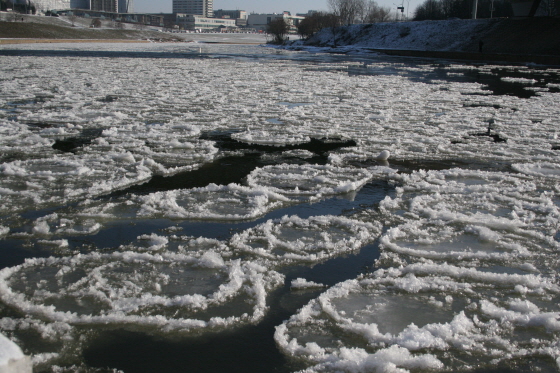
(347, 12)
(26, 7)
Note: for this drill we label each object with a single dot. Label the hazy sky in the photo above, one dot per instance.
(265, 6)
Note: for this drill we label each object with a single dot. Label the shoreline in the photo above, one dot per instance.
(50, 41)
(473, 56)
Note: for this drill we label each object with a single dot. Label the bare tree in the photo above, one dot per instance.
(278, 28)
(375, 13)
(348, 11)
(318, 21)
(72, 18)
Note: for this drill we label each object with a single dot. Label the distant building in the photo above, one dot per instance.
(44, 5)
(104, 5)
(260, 21)
(120, 6)
(78, 4)
(240, 16)
(117, 6)
(203, 8)
(308, 14)
(126, 6)
(198, 23)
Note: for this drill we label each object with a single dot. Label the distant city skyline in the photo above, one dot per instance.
(257, 6)
(269, 6)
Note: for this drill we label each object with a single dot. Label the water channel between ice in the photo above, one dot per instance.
(213, 208)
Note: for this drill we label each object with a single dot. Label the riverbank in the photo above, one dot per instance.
(38, 29)
(31, 29)
(37, 41)
(533, 40)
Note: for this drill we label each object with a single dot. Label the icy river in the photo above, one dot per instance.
(231, 208)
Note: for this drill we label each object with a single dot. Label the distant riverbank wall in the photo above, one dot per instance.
(500, 39)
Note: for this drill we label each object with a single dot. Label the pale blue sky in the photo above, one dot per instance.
(264, 6)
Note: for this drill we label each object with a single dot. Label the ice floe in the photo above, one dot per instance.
(436, 318)
(168, 291)
(309, 181)
(293, 239)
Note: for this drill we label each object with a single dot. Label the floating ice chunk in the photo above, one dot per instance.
(384, 155)
(522, 313)
(42, 227)
(293, 239)
(12, 359)
(396, 308)
(211, 259)
(298, 153)
(283, 136)
(214, 202)
(56, 243)
(64, 178)
(453, 242)
(154, 241)
(464, 214)
(169, 291)
(518, 80)
(390, 359)
(542, 169)
(165, 149)
(301, 283)
(309, 180)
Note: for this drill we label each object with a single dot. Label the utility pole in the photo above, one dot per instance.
(401, 8)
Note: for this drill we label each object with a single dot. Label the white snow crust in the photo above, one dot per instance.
(417, 35)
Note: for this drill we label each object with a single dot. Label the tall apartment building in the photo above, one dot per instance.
(120, 6)
(203, 8)
(240, 16)
(44, 5)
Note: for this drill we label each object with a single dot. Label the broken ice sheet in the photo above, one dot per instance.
(214, 202)
(308, 181)
(292, 239)
(38, 183)
(165, 291)
(166, 148)
(505, 218)
(414, 313)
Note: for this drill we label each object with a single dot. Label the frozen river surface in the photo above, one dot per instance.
(212, 208)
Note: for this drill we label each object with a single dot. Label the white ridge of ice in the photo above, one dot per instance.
(301, 283)
(543, 169)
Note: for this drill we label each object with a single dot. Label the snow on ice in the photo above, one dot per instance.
(468, 271)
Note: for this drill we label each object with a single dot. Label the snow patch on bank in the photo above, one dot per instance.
(448, 35)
